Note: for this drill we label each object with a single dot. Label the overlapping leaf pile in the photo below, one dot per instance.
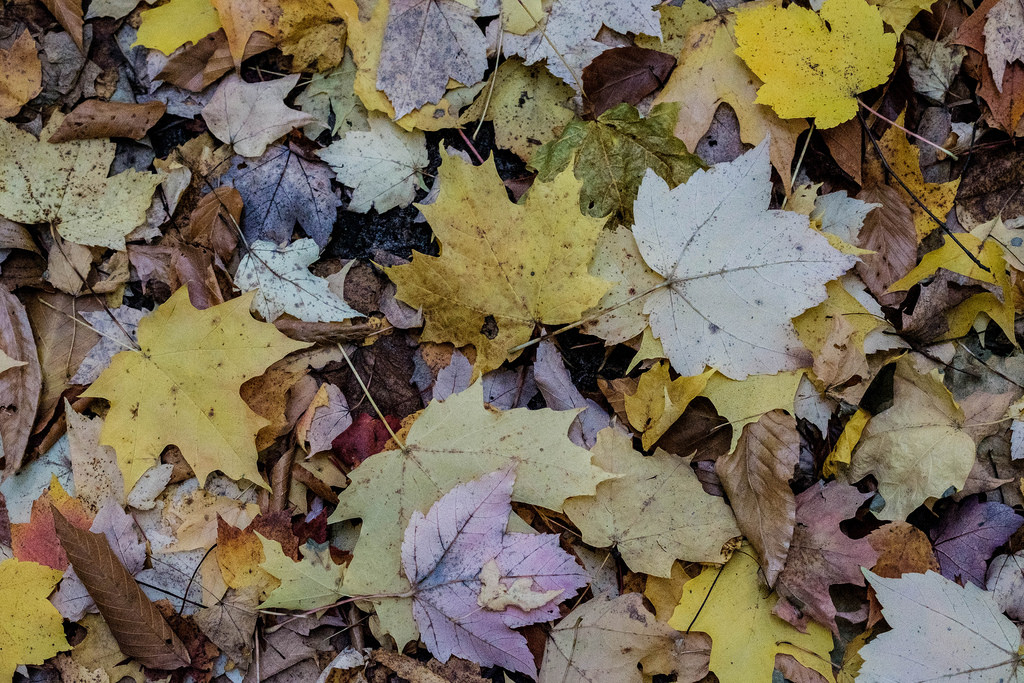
(471, 340)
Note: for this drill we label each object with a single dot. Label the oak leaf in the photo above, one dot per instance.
(37, 177)
(815, 64)
(745, 634)
(182, 386)
(31, 629)
(723, 251)
(473, 583)
(451, 443)
(514, 266)
(640, 511)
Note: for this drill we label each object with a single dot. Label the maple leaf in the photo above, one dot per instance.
(939, 631)
(745, 635)
(503, 265)
(250, 116)
(182, 386)
(66, 185)
(820, 555)
(610, 155)
(899, 13)
(280, 188)
(241, 18)
(449, 444)
(31, 629)
(564, 37)
(723, 252)
(314, 581)
(447, 555)
(21, 74)
(426, 43)
(917, 448)
(526, 104)
(639, 512)
(604, 640)
(285, 284)
(815, 64)
(382, 166)
(334, 92)
(169, 26)
(968, 534)
(313, 33)
(709, 74)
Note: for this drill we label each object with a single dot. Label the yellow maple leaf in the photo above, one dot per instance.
(182, 387)
(744, 401)
(241, 18)
(815, 64)
(168, 27)
(504, 268)
(659, 400)
(955, 255)
(899, 13)
(314, 581)
(452, 443)
(709, 74)
(745, 635)
(904, 160)
(31, 628)
(65, 184)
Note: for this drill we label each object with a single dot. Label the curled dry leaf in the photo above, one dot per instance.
(756, 478)
(140, 630)
(20, 385)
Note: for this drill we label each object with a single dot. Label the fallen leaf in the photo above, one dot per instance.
(426, 44)
(250, 116)
(499, 265)
(624, 74)
(382, 166)
(968, 534)
(281, 274)
(96, 119)
(328, 420)
(639, 513)
(21, 74)
(333, 92)
(230, 623)
(659, 401)
(33, 630)
(716, 313)
(899, 13)
(1003, 41)
(527, 105)
(69, 14)
(555, 385)
(20, 384)
(313, 581)
(939, 630)
(933, 64)
(212, 426)
(97, 476)
(741, 402)
(917, 448)
(730, 605)
(168, 27)
(609, 156)
(105, 209)
(1005, 579)
(815, 64)
(889, 232)
(313, 33)
(240, 19)
(137, 625)
(445, 555)
(820, 554)
(301, 191)
(756, 478)
(451, 443)
(606, 640)
(709, 74)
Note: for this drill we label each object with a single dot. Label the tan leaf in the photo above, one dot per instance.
(20, 74)
(20, 386)
(94, 119)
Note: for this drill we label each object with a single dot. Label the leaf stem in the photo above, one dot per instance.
(909, 132)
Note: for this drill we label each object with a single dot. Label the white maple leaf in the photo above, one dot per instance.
(738, 272)
(281, 274)
(940, 631)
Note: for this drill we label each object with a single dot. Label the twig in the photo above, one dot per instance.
(909, 132)
(366, 392)
(494, 81)
(472, 147)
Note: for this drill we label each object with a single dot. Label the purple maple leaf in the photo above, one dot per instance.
(968, 534)
(443, 554)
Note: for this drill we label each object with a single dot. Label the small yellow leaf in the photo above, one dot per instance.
(743, 402)
(31, 629)
(899, 13)
(659, 401)
(839, 459)
(168, 27)
(815, 64)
